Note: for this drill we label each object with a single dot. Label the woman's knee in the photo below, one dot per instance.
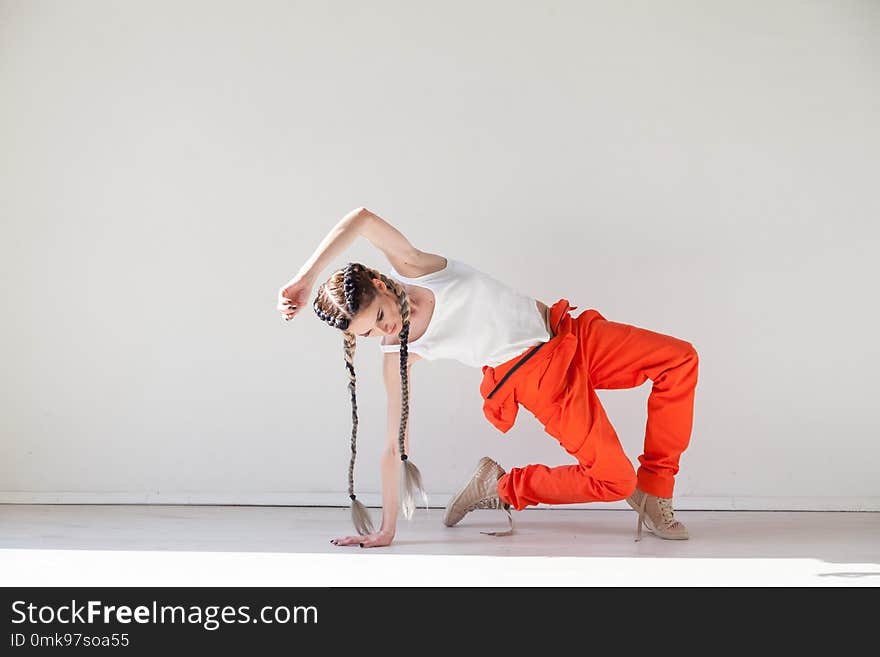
(617, 487)
(620, 489)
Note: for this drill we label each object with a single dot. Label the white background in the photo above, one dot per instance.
(705, 170)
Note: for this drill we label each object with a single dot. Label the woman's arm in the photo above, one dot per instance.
(402, 255)
(337, 241)
(294, 294)
(391, 453)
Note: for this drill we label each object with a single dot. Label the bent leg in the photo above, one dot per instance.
(603, 472)
(625, 356)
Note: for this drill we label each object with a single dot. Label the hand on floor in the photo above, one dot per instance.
(376, 539)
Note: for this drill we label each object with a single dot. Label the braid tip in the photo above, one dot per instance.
(360, 517)
(411, 486)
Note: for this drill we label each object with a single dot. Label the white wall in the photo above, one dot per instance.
(705, 170)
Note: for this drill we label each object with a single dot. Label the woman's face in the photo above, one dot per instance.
(380, 318)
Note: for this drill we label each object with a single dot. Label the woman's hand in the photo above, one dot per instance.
(293, 296)
(377, 539)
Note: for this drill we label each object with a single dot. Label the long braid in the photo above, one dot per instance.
(411, 478)
(349, 345)
(403, 301)
(359, 514)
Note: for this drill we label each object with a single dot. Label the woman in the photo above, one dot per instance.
(530, 354)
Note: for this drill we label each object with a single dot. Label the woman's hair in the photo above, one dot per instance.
(338, 301)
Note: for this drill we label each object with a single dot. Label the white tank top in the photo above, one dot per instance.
(477, 320)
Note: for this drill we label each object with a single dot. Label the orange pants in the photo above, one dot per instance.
(558, 386)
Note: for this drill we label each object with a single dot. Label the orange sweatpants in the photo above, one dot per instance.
(557, 384)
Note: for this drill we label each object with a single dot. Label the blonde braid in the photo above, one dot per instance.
(403, 301)
(349, 346)
(411, 478)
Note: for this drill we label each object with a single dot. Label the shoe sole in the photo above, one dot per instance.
(480, 465)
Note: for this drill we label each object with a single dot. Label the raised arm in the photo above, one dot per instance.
(402, 255)
(337, 241)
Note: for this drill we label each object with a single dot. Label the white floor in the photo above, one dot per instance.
(140, 545)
